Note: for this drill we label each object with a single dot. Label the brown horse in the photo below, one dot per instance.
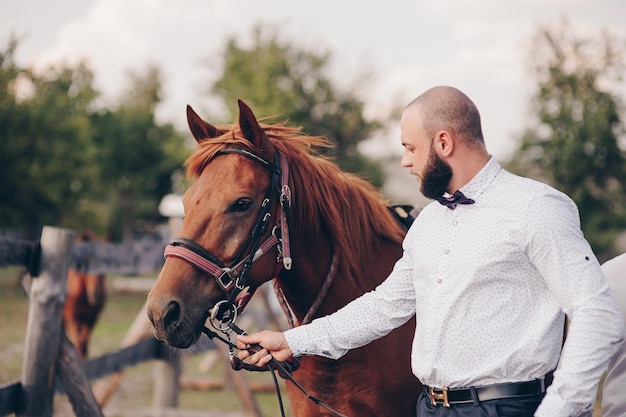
(331, 223)
(86, 296)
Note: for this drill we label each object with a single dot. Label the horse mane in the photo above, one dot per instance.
(347, 208)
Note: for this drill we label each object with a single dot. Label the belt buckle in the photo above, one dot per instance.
(434, 397)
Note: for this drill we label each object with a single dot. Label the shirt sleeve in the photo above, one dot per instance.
(365, 319)
(557, 248)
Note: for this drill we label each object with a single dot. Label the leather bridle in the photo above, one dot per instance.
(233, 279)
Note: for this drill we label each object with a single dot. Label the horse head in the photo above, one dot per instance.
(227, 210)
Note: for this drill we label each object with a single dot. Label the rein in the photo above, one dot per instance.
(233, 280)
(271, 366)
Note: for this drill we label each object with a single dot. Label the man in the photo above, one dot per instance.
(614, 388)
(489, 273)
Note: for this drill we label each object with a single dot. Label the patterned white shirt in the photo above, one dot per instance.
(489, 284)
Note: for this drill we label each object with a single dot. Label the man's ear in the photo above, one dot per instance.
(444, 143)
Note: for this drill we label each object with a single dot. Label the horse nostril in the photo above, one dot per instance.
(173, 314)
(150, 316)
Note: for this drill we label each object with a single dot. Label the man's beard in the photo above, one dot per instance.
(436, 176)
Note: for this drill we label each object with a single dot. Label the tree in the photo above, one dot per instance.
(136, 155)
(11, 124)
(574, 141)
(279, 79)
(62, 163)
(45, 163)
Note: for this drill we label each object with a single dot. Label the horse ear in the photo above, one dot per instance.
(200, 129)
(251, 129)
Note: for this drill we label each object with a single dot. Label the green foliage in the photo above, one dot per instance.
(281, 80)
(136, 156)
(574, 143)
(46, 161)
(63, 164)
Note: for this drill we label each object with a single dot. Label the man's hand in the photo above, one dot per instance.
(274, 345)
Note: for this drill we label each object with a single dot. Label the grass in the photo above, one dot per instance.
(135, 392)
(13, 318)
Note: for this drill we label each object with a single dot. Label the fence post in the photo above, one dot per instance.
(75, 383)
(166, 382)
(46, 298)
(141, 329)
(248, 402)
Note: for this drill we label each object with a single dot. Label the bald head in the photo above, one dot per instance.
(447, 108)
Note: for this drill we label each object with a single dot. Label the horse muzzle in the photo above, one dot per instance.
(173, 325)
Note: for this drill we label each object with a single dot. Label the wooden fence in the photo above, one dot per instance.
(50, 360)
(46, 350)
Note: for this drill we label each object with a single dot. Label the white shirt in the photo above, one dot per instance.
(614, 388)
(489, 284)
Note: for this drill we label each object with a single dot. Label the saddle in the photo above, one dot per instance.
(405, 214)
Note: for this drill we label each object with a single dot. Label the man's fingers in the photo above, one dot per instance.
(259, 348)
(265, 360)
(259, 358)
(255, 356)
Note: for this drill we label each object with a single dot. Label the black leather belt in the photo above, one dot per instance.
(450, 396)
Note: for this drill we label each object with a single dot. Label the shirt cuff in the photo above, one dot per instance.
(296, 339)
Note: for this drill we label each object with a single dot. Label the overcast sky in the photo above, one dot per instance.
(478, 46)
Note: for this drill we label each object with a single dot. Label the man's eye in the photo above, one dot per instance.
(241, 205)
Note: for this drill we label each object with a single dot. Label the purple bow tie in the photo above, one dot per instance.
(452, 201)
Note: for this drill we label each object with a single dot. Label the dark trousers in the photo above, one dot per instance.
(507, 407)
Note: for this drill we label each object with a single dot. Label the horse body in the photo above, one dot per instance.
(331, 215)
(86, 296)
(369, 381)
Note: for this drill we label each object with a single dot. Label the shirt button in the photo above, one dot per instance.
(439, 281)
(446, 251)
(455, 222)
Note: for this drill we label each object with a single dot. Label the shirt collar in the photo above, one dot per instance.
(481, 181)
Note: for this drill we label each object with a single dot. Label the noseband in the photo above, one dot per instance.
(233, 279)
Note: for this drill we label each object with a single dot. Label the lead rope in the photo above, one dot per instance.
(272, 366)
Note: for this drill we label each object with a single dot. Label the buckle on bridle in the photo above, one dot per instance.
(225, 280)
(434, 397)
(222, 315)
(285, 196)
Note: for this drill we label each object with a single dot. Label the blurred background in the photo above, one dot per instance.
(93, 94)
(93, 130)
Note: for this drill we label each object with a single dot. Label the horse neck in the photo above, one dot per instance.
(312, 242)
(312, 257)
(302, 284)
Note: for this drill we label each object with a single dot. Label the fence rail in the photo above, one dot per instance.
(20, 252)
(50, 360)
(136, 258)
(10, 398)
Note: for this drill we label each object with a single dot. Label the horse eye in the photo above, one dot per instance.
(241, 205)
